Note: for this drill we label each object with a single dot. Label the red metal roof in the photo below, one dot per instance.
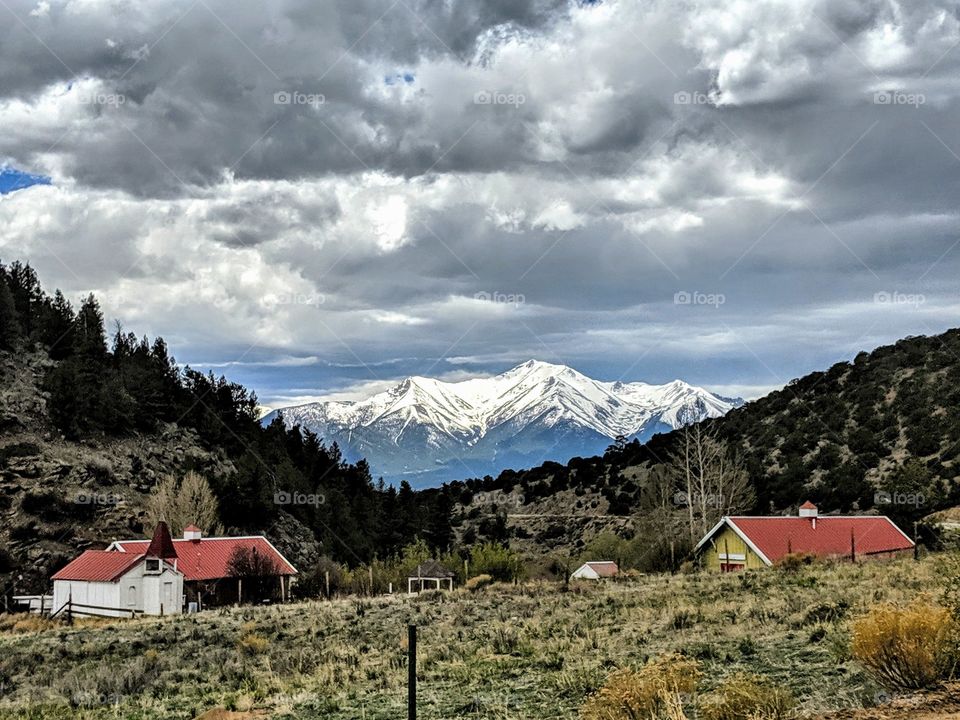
(208, 559)
(808, 506)
(830, 535)
(98, 566)
(603, 568)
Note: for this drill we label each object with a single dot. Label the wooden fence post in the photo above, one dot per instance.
(411, 672)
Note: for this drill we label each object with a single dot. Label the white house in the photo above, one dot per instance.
(114, 584)
(595, 570)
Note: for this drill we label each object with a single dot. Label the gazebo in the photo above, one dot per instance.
(430, 571)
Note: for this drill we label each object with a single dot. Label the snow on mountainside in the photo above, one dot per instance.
(428, 431)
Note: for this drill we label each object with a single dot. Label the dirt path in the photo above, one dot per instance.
(943, 704)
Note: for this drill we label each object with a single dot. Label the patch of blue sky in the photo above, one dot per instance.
(405, 78)
(12, 180)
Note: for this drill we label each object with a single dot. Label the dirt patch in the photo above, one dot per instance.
(942, 704)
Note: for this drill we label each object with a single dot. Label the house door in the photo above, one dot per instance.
(731, 567)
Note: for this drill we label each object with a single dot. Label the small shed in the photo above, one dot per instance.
(596, 570)
(431, 572)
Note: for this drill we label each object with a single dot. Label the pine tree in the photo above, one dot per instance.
(57, 327)
(10, 329)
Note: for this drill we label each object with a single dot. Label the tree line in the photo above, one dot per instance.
(124, 384)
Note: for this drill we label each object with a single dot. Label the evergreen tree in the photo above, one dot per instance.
(10, 330)
(57, 327)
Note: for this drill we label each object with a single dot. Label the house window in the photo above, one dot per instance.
(132, 596)
(153, 565)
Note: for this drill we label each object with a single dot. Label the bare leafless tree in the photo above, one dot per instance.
(185, 501)
(711, 478)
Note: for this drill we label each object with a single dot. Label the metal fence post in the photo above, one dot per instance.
(411, 672)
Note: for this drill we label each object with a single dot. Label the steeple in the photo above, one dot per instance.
(161, 546)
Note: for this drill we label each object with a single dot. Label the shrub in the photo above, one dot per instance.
(826, 612)
(498, 561)
(684, 619)
(250, 642)
(792, 562)
(253, 644)
(7, 562)
(652, 692)
(748, 697)
(906, 648)
(16, 450)
(478, 583)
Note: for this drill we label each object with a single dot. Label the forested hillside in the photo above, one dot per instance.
(88, 426)
(882, 431)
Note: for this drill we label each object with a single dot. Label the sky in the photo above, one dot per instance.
(319, 198)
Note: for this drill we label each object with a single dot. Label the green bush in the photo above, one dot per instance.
(497, 561)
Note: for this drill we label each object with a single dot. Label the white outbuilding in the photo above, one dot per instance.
(595, 570)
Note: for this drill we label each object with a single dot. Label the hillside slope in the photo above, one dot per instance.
(880, 432)
(59, 496)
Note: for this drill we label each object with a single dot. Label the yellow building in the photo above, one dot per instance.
(744, 542)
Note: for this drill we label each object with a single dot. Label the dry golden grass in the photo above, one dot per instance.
(907, 647)
(526, 652)
(478, 582)
(655, 691)
(748, 697)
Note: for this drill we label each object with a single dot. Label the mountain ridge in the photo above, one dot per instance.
(536, 410)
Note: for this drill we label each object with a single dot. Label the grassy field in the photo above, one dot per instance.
(531, 651)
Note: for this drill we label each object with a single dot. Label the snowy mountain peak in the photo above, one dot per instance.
(431, 430)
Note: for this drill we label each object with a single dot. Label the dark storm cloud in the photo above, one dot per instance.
(243, 178)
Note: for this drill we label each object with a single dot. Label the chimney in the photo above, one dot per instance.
(809, 510)
(192, 532)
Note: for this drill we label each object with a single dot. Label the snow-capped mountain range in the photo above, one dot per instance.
(428, 431)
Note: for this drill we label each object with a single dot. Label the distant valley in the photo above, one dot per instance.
(427, 431)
